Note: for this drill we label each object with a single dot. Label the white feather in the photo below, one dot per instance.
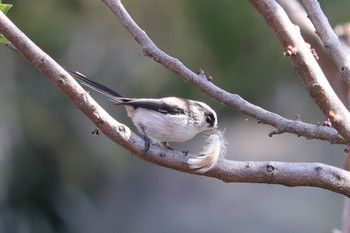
(214, 148)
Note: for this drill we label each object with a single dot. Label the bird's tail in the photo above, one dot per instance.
(114, 96)
(214, 148)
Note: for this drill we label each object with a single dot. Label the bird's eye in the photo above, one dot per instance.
(210, 119)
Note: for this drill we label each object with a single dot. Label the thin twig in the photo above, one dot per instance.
(232, 100)
(331, 44)
(289, 174)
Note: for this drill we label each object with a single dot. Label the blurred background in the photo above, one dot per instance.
(57, 177)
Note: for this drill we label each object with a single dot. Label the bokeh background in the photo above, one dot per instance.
(56, 177)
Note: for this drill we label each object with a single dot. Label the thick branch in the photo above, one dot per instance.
(232, 100)
(305, 64)
(296, 174)
(298, 15)
(331, 43)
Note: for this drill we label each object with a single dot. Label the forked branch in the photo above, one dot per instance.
(289, 174)
(234, 101)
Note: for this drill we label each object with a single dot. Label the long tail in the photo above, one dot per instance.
(114, 96)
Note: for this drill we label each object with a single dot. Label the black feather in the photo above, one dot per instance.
(155, 105)
(95, 85)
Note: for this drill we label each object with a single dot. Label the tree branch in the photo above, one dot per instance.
(305, 64)
(331, 43)
(298, 15)
(289, 174)
(232, 100)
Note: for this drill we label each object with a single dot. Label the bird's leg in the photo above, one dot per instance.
(165, 145)
(147, 143)
(146, 139)
(185, 152)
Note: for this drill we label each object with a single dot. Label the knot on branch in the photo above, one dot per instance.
(270, 168)
(273, 132)
(289, 51)
(344, 70)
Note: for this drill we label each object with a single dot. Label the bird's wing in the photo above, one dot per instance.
(159, 105)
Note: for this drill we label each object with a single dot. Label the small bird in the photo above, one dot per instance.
(163, 120)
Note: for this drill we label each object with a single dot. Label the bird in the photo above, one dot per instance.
(160, 120)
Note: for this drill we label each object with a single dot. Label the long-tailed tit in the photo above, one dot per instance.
(168, 119)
